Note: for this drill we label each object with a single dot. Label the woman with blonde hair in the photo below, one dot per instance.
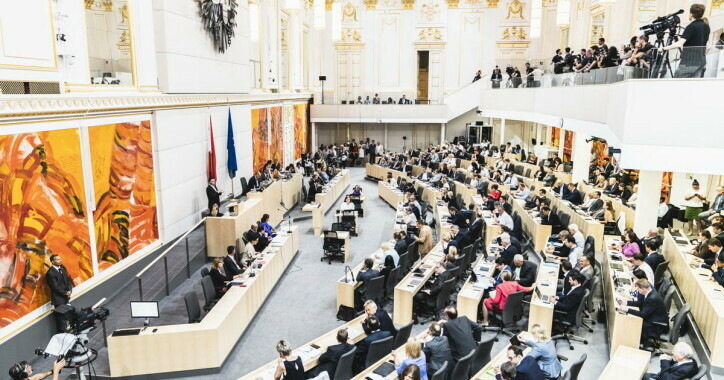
(415, 357)
(289, 367)
(600, 183)
(543, 350)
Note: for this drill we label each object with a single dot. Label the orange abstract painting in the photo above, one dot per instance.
(300, 130)
(276, 149)
(125, 219)
(259, 137)
(42, 212)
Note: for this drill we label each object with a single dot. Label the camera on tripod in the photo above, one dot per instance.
(663, 24)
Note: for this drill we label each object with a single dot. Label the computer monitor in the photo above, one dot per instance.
(144, 309)
(538, 293)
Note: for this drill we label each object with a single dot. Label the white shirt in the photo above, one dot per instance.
(347, 206)
(579, 241)
(649, 272)
(537, 74)
(695, 201)
(523, 194)
(575, 253)
(505, 220)
(663, 209)
(393, 253)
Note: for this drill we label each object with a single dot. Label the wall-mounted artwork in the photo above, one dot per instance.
(276, 148)
(42, 212)
(125, 218)
(260, 137)
(300, 130)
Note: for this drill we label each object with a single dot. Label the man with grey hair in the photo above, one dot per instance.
(524, 271)
(716, 207)
(503, 219)
(680, 365)
(509, 250)
(577, 234)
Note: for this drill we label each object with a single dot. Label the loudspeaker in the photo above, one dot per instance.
(479, 123)
(322, 77)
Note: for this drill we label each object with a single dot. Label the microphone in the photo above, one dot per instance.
(347, 268)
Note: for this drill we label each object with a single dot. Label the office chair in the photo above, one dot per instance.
(462, 368)
(510, 316)
(344, 365)
(440, 373)
(477, 245)
(482, 355)
(403, 263)
(333, 247)
(665, 283)
(703, 371)
(418, 193)
(204, 271)
(669, 297)
(443, 299)
(674, 332)
(589, 247)
(413, 254)
(565, 220)
(527, 172)
(403, 334)
(572, 373)
(470, 256)
(192, 307)
(659, 273)
(517, 227)
(207, 285)
(375, 290)
(348, 222)
(244, 186)
(592, 285)
(455, 272)
(568, 335)
(378, 350)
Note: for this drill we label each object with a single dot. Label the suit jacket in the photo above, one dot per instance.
(528, 273)
(231, 267)
(719, 276)
(424, 239)
(508, 254)
(329, 359)
(407, 169)
(401, 246)
(219, 279)
(574, 197)
(385, 323)
(596, 205)
(475, 227)
(654, 259)
(437, 351)
(569, 303)
(463, 335)
(671, 371)
(528, 369)
(364, 345)
(437, 285)
(651, 310)
(365, 278)
(462, 239)
(566, 190)
(552, 220)
(253, 183)
(566, 284)
(59, 283)
(213, 195)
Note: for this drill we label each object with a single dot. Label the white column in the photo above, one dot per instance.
(581, 156)
(442, 133)
(314, 137)
(502, 132)
(295, 50)
(538, 133)
(387, 146)
(648, 201)
(561, 143)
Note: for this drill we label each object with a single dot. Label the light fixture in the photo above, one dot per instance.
(563, 13)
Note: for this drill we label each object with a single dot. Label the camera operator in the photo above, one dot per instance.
(23, 371)
(557, 62)
(693, 40)
(642, 52)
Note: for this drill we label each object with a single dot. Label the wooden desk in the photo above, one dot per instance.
(470, 295)
(429, 194)
(541, 313)
(339, 214)
(441, 213)
(536, 231)
(706, 297)
(310, 356)
(367, 373)
(224, 231)
(490, 229)
(465, 191)
(344, 235)
(390, 195)
(406, 290)
(587, 225)
(623, 329)
(618, 206)
(626, 364)
(326, 199)
(164, 349)
(377, 171)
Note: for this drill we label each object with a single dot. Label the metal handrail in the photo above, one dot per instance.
(163, 254)
(445, 95)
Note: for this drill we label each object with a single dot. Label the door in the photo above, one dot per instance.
(423, 71)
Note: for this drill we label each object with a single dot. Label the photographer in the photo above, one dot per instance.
(694, 40)
(558, 62)
(23, 371)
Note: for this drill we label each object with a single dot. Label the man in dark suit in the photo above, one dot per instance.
(653, 235)
(595, 203)
(400, 243)
(652, 310)
(404, 100)
(525, 271)
(437, 350)
(407, 168)
(329, 359)
(566, 306)
(460, 236)
(427, 298)
(255, 182)
(372, 151)
(509, 250)
(315, 187)
(548, 218)
(574, 196)
(561, 189)
(462, 333)
(253, 234)
(213, 194)
(373, 326)
(386, 323)
(231, 266)
(526, 367)
(680, 365)
(364, 276)
(61, 286)
(653, 258)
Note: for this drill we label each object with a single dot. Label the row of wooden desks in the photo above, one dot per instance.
(471, 294)
(413, 283)
(706, 297)
(586, 224)
(326, 199)
(530, 222)
(390, 194)
(618, 206)
(490, 228)
(171, 348)
(225, 230)
(541, 312)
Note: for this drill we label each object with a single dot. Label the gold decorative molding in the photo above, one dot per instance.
(475, 2)
(308, 4)
(328, 4)
(492, 3)
(371, 4)
(351, 35)
(408, 4)
(716, 4)
(453, 4)
(430, 34)
(349, 13)
(89, 4)
(516, 9)
(429, 10)
(514, 33)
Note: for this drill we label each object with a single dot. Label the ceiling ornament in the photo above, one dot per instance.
(408, 4)
(475, 2)
(371, 4)
(328, 4)
(349, 13)
(89, 4)
(429, 10)
(515, 9)
(124, 14)
(219, 19)
(430, 34)
(514, 33)
(351, 35)
(492, 3)
(453, 4)
(716, 4)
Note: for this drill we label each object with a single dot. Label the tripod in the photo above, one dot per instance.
(661, 64)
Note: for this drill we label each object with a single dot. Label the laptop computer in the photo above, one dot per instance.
(542, 297)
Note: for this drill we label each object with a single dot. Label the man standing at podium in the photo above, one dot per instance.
(213, 194)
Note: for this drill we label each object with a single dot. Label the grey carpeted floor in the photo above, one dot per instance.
(302, 306)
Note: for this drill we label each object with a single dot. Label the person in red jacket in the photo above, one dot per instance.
(502, 291)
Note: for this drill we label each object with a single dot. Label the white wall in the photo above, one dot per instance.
(187, 59)
(418, 135)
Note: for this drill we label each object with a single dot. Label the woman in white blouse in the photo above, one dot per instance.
(347, 205)
(693, 201)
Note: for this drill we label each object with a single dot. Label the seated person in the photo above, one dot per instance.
(565, 306)
(400, 244)
(573, 196)
(718, 267)
(500, 267)
(252, 235)
(652, 310)
(366, 274)
(413, 357)
(543, 350)
(289, 366)
(387, 250)
(347, 205)
(371, 310)
(548, 218)
(564, 286)
(497, 304)
(436, 348)
(462, 333)
(372, 324)
(427, 297)
(329, 359)
(524, 272)
(680, 365)
(231, 265)
(526, 366)
(220, 277)
(509, 250)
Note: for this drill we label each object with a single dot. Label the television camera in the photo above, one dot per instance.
(660, 64)
(663, 24)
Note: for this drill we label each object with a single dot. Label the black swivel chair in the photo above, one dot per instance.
(207, 285)
(508, 320)
(344, 366)
(244, 187)
(565, 220)
(443, 300)
(659, 273)
(332, 247)
(665, 283)
(568, 335)
(462, 368)
(669, 297)
(192, 307)
(375, 290)
(403, 334)
(703, 371)
(441, 372)
(378, 350)
(482, 355)
(572, 373)
(392, 279)
(675, 332)
(204, 271)
(413, 254)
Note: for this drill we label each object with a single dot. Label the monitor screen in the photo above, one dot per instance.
(144, 309)
(538, 293)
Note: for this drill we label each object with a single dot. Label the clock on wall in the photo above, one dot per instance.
(219, 20)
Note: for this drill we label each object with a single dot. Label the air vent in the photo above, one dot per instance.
(10, 87)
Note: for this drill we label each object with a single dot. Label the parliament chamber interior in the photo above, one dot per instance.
(188, 189)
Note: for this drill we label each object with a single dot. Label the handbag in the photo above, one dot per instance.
(345, 313)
